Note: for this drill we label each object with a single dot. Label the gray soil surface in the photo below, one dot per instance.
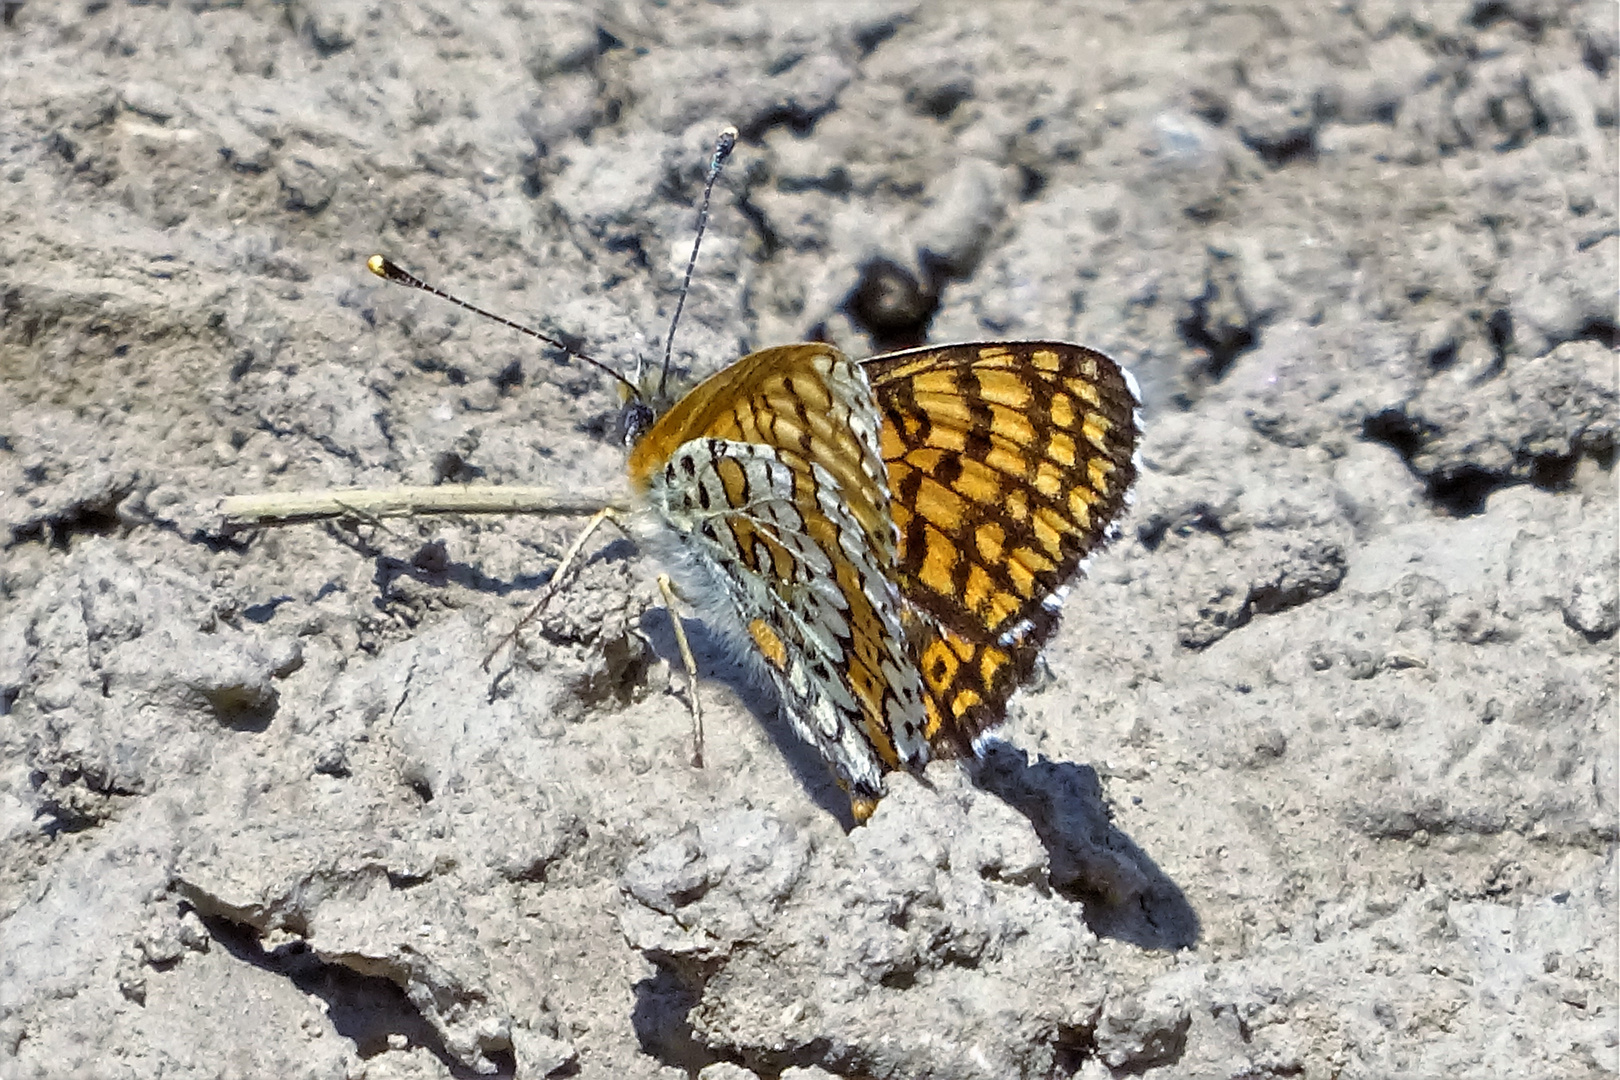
(1317, 779)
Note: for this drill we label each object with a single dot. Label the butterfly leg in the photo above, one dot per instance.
(570, 557)
(666, 587)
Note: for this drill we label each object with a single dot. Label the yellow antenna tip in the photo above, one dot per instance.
(377, 265)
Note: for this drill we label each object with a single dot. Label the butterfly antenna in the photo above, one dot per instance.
(388, 270)
(723, 146)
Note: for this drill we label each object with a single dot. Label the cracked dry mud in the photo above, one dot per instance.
(1317, 780)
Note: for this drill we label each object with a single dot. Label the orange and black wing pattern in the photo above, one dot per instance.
(1009, 463)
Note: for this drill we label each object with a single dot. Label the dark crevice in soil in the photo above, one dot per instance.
(1499, 332)
(1317, 572)
(625, 245)
(793, 116)
(420, 788)
(243, 709)
(940, 101)
(1462, 490)
(72, 816)
(898, 979)
(1553, 472)
(93, 517)
(770, 242)
(1491, 12)
(532, 168)
(873, 34)
(659, 1018)
(1199, 518)
(1458, 492)
(1298, 144)
(1591, 637)
(1462, 493)
(1601, 331)
(891, 305)
(1073, 1047)
(449, 467)
(1031, 182)
(1221, 339)
(1595, 57)
(1398, 431)
(1323, 569)
(1443, 356)
(367, 1010)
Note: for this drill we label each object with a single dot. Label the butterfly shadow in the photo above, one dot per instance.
(717, 661)
(1122, 892)
(431, 565)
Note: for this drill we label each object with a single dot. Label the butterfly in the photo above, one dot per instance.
(888, 541)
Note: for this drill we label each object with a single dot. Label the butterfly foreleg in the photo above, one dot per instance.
(564, 566)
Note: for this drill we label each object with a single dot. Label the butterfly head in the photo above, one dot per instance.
(636, 415)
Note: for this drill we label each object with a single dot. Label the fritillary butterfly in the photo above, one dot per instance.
(891, 540)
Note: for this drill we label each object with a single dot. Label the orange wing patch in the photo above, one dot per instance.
(1007, 463)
